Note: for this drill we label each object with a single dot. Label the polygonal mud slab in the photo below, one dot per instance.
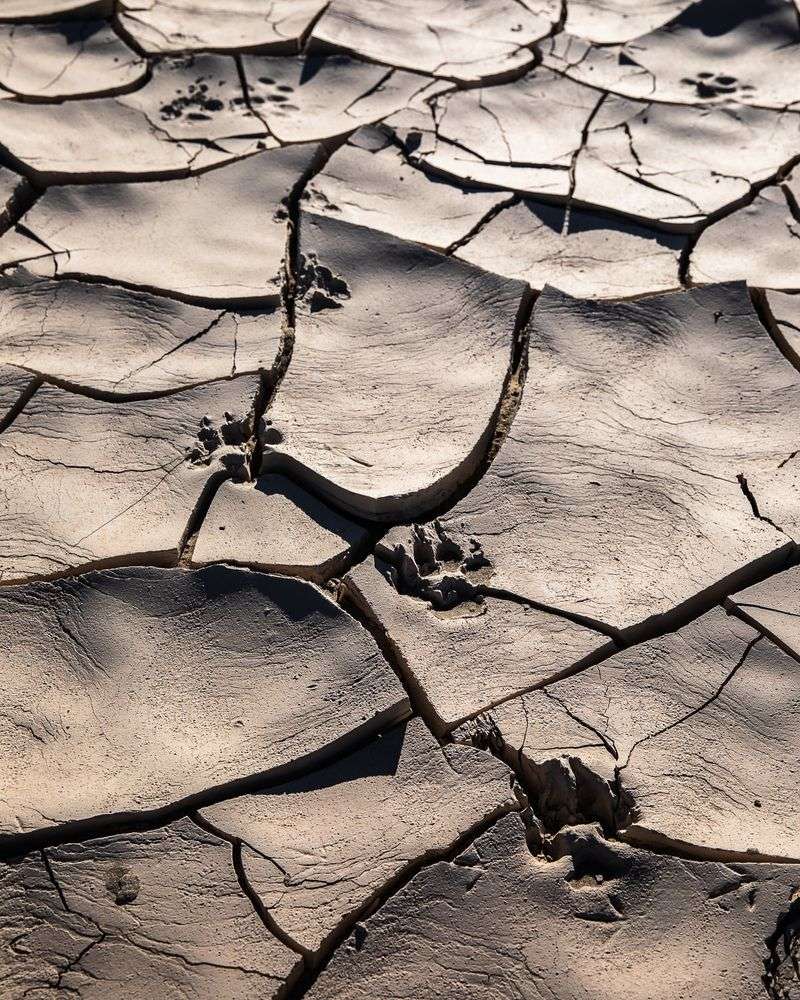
(611, 21)
(129, 691)
(471, 42)
(112, 340)
(313, 97)
(713, 52)
(318, 851)
(397, 371)
(276, 525)
(219, 237)
(602, 920)
(189, 116)
(88, 481)
(370, 182)
(773, 607)
(702, 726)
(616, 494)
(134, 915)
(236, 25)
(67, 59)
(758, 244)
(500, 136)
(582, 253)
(666, 164)
(676, 165)
(740, 794)
(461, 647)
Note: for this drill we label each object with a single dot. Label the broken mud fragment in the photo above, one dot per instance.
(66, 60)
(470, 42)
(33, 10)
(277, 526)
(694, 928)
(607, 22)
(318, 852)
(130, 914)
(176, 237)
(121, 342)
(757, 244)
(412, 366)
(103, 742)
(585, 254)
(160, 26)
(369, 182)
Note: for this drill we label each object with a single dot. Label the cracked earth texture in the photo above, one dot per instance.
(399, 499)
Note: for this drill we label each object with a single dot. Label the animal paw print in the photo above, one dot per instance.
(436, 569)
(200, 101)
(711, 85)
(319, 286)
(277, 95)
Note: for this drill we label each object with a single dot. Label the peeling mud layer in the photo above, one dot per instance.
(399, 499)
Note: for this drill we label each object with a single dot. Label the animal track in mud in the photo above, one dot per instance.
(318, 285)
(226, 440)
(438, 570)
(712, 85)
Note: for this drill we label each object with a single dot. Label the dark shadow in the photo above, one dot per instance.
(717, 17)
(75, 32)
(312, 64)
(551, 216)
(583, 221)
(156, 591)
(278, 485)
(381, 757)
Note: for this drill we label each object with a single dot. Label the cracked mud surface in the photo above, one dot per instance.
(399, 499)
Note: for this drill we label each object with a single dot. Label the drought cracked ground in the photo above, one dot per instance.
(399, 499)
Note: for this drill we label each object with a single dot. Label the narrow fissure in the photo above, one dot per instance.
(247, 888)
(348, 598)
(16, 845)
(573, 166)
(386, 892)
(758, 297)
(745, 488)
(482, 223)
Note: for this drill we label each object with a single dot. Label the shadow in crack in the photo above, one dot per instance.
(380, 757)
(718, 17)
(554, 217)
(782, 975)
